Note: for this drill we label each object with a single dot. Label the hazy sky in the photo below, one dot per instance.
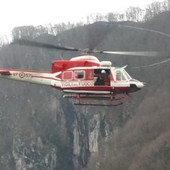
(40, 12)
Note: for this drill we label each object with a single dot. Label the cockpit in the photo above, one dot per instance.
(103, 75)
(121, 74)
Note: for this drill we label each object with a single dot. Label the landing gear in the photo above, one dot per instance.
(83, 99)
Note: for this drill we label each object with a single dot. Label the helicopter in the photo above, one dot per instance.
(82, 78)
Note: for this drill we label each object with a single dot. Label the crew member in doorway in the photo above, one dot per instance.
(102, 79)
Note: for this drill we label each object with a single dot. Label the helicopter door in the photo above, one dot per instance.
(102, 77)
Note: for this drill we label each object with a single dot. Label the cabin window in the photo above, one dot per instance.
(67, 75)
(79, 74)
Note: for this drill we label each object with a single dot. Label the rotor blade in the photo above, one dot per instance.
(42, 45)
(132, 53)
(85, 51)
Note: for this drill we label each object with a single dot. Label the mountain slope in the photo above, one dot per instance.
(41, 130)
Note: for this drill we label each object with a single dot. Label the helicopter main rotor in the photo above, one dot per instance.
(82, 51)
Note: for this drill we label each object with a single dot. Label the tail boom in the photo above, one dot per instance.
(29, 76)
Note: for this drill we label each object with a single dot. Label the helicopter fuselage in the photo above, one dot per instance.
(80, 75)
(86, 79)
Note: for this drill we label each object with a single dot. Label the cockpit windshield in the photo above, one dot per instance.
(126, 74)
(120, 74)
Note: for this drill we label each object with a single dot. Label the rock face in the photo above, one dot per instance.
(39, 130)
(55, 135)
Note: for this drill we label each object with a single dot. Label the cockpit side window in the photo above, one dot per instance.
(118, 75)
(123, 77)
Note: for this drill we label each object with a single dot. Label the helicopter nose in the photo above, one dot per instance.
(136, 86)
(140, 85)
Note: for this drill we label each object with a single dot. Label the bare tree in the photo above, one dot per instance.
(166, 5)
(3, 40)
(153, 9)
(28, 32)
(111, 17)
(134, 14)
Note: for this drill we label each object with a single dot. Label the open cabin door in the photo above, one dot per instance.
(102, 77)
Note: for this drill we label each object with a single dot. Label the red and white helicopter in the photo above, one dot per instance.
(83, 77)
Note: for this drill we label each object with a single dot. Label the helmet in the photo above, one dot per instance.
(103, 71)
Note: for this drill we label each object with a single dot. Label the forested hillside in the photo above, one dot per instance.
(40, 130)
